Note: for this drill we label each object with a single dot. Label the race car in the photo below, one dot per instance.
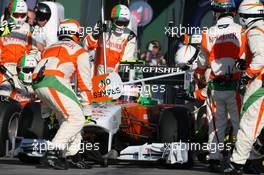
(137, 130)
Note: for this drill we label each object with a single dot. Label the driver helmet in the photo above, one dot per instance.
(26, 67)
(120, 17)
(18, 12)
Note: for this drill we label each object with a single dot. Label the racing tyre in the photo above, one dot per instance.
(174, 126)
(31, 125)
(9, 117)
(28, 160)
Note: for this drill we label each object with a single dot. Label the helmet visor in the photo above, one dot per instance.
(122, 23)
(28, 70)
(42, 16)
(19, 15)
(242, 15)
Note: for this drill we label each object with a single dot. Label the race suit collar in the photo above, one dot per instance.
(259, 23)
(225, 20)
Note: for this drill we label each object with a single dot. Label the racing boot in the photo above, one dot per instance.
(77, 161)
(252, 167)
(55, 160)
(234, 169)
(215, 166)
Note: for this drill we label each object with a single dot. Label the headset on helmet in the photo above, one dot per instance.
(120, 17)
(26, 67)
(70, 29)
(18, 12)
(43, 12)
(250, 11)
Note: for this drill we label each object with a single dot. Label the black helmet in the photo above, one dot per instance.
(223, 6)
(43, 12)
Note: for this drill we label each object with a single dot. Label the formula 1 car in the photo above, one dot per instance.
(138, 131)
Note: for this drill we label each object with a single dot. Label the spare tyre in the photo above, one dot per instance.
(9, 118)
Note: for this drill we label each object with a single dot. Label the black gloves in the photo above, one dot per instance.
(98, 29)
(2, 69)
(185, 67)
(244, 80)
(241, 64)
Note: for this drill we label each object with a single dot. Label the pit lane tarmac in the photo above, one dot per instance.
(15, 167)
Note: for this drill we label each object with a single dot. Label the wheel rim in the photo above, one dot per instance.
(13, 126)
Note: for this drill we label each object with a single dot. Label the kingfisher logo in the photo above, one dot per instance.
(150, 69)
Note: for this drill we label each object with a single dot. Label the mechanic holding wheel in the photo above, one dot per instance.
(51, 82)
(120, 41)
(222, 45)
(252, 121)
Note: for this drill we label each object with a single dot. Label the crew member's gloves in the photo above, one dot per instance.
(11, 26)
(6, 27)
(87, 112)
(98, 29)
(241, 64)
(185, 67)
(244, 80)
(243, 83)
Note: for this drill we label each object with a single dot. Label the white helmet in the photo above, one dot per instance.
(120, 16)
(18, 12)
(26, 67)
(184, 55)
(250, 11)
